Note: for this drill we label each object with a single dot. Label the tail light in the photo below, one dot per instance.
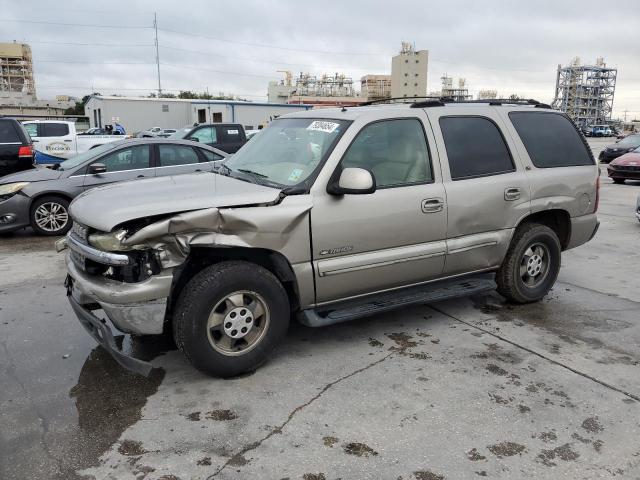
(26, 151)
(597, 192)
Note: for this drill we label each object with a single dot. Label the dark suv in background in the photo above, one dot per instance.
(228, 137)
(16, 147)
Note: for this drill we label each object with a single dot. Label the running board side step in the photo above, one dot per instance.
(384, 302)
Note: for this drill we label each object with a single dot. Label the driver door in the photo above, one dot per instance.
(129, 163)
(363, 243)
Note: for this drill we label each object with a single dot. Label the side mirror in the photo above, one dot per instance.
(97, 168)
(193, 139)
(353, 181)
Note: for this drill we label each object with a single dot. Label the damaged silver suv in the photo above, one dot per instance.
(330, 215)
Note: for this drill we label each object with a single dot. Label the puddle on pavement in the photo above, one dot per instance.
(108, 399)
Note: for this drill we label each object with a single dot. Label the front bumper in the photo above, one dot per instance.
(102, 334)
(608, 156)
(631, 172)
(14, 213)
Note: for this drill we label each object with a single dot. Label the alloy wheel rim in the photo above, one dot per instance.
(238, 322)
(534, 266)
(51, 216)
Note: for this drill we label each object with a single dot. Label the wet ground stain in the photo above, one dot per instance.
(193, 416)
(523, 408)
(506, 449)
(547, 437)
(592, 425)
(221, 415)
(427, 475)
(474, 455)
(564, 452)
(330, 441)
(131, 448)
(314, 476)
(204, 462)
(375, 343)
(402, 340)
(359, 449)
(238, 460)
(496, 370)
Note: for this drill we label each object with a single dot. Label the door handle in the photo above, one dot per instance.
(511, 193)
(68, 140)
(432, 205)
(140, 176)
(198, 170)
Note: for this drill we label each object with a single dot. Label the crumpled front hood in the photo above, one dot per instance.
(105, 207)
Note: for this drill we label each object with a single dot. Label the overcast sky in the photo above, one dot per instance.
(236, 47)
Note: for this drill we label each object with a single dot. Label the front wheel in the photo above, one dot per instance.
(531, 265)
(50, 216)
(230, 317)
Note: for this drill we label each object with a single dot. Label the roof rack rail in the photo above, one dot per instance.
(441, 101)
(393, 100)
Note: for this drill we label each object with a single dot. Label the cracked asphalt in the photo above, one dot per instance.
(461, 389)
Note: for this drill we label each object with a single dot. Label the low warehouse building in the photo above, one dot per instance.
(137, 113)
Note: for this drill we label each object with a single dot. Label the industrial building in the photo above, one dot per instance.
(409, 72)
(585, 92)
(375, 87)
(487, 94)
(459, 94)
(18, 87)
(320, 91)
(408, 79)
(138, 113)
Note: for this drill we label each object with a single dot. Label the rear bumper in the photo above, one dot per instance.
(583, 229)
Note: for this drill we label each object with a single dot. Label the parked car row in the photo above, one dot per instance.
(40, 197)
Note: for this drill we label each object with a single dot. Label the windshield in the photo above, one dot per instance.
(630, 141)
(180, 133)
(88, 155)
(288, 151)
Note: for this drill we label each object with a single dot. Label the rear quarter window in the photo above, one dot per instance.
(551, 140)
(54, 129)
(8, 133)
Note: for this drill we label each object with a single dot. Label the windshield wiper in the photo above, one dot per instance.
(251, 172)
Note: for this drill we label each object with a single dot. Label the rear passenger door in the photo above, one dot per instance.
(128, 163)
(486, 186)
(179, 159)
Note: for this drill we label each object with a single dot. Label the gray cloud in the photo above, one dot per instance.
(509, 46)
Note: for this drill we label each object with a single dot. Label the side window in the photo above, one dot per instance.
(176, 155)
(550, 139)
(475, 147)
(127, 159)
(54, 129)
(205, 135)
(8, 133)
(229, 134)
(394, 150)
(32, 129)
(210, 156)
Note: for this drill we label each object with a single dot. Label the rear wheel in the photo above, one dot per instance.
(531, 265)
(618, 180)
(50, 216)
(230, 317)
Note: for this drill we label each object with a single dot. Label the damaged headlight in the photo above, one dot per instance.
(112, 242)
(10, 189)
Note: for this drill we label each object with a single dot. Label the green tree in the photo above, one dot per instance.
(78, 108)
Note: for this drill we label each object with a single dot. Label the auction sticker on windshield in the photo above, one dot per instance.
(322, 126)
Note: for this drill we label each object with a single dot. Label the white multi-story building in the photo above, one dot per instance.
(409, 72)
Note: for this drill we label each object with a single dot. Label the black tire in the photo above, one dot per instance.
(618, 180)
(511, 284)
(208, 289)
(48, 202)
